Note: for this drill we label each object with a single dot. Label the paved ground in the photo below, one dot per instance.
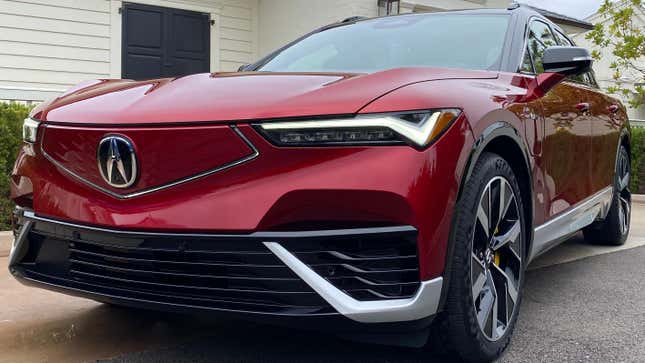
(582, 304)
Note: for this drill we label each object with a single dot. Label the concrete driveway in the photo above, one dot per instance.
(582, 303)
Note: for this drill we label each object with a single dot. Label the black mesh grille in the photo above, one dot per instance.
(367, 267)
(224, 272)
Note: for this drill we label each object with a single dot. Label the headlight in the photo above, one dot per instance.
(30, 130)
(418, 129)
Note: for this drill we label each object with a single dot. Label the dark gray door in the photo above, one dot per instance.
(164, 42)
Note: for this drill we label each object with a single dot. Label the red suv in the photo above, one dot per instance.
(384, 177)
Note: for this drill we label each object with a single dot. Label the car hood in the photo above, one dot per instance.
(225, 97)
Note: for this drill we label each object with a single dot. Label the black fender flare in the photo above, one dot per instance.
(492, 132)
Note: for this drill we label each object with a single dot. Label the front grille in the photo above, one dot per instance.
(222, 271)
(367, 267)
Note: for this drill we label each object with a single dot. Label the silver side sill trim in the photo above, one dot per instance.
(425, 303)
(556, 230)
(254, 154)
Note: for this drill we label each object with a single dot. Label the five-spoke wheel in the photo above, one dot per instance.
(486, 271)
(496, 258)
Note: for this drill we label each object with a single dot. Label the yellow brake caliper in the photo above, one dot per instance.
(497, 254)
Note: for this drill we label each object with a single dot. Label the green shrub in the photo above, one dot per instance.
(638, 161)
(11, 117)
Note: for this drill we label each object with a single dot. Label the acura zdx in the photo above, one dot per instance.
(388, 179)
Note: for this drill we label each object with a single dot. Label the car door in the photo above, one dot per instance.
(604, 115)
(566, 149)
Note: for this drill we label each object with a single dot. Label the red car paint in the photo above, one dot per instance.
(286, 187)
(228, 97)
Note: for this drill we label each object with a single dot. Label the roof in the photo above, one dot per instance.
(562, 19)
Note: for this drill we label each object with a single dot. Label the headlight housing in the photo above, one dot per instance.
(418, 129)
(30, 130)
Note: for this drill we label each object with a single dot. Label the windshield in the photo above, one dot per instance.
(468, 41)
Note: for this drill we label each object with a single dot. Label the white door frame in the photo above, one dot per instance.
(116, 27)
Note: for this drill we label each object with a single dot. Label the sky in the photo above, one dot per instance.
(579, 9)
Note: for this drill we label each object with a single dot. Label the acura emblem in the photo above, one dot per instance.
(117, 161)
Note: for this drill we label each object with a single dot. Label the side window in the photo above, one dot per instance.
(527, 63)
(542, 32)
(537, 52)
(539, 38)
(562, 39)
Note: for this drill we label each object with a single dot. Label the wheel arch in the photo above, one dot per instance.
(506, 141)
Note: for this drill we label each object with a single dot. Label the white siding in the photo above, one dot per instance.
(238, 38)
(282, 21)
(46, 46)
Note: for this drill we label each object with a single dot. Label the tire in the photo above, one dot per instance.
(466, 324)
(614, 229)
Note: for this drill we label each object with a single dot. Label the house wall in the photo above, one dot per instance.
(46, 46)
(285, 20)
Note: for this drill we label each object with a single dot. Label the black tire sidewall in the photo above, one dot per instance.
(464, 332)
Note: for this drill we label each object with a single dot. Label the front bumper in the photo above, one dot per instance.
(368, 275)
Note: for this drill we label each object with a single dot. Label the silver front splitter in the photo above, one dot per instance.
(423, 304)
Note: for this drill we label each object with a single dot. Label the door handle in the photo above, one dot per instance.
(583, 107)
(613, 108)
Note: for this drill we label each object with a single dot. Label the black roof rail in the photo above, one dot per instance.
(352, 19)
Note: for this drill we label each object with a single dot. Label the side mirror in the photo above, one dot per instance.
(242, 68)
(558, 62)
(568, 61)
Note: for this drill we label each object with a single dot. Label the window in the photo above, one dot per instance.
(540, 38)
(542, 33)
(562, 39)
(527, 64)
(433, 40)
(586, 78)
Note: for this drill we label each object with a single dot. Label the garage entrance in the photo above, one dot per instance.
(164, 42)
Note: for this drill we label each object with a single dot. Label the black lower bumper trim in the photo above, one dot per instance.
(334, 322)
(129, 298)
(215, 273)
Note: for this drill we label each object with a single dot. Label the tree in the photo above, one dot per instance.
(625, 39)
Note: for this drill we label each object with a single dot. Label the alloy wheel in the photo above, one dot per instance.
(496, 259)
(624, 194)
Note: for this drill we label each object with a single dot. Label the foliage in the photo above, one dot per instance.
(625, 39)
(11, 117)
(638, 161)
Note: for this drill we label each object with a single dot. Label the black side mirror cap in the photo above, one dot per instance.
(569, 61)
(242, 68)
